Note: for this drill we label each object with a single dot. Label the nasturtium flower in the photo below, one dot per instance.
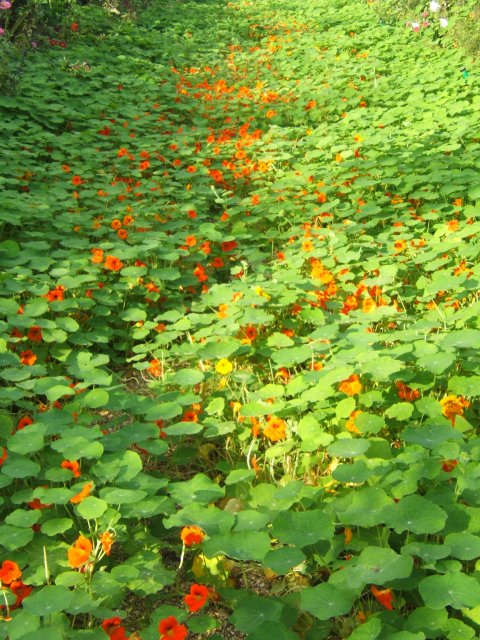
(449, 465)
(82, 494)
(383, 596)
(35, 334)
(223, 367)
(191, 535)
(106, 540)
(113, 263)
(9, 571)
(350, 424)
(351, 386)
(196, 598)
(24, 422)
(453, 406)
(405, 392)
(155, 369)
(275, 429)
(21, 591)
(170, 629)
(73, 466)
(28, 358)
(79, 552)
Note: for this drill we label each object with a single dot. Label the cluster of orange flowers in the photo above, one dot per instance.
(112, 263)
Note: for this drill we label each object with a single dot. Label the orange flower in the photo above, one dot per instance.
(106, 539)
(4, 456)
(113, 264)
(24, 422)
(453, 406)
(190, 416)
(122, 234)
(368, 304)
(82, 494)
(270, 113)
(350, 424)
(28, 358)
(384, 596)
(73, 466)
(351, 386)
(348, 535)
(55, 294)
(116, 224)
(250, 332)
(76, 180)
(191, 169)
(127, 220)
(196, 598)
(9, 571)
(222, 311)
(191, 535)
(97, 255)
(79, 552)
(231, 245)
(111, 626)
(449, 465)
(190, 241)
(35, 334)
(21, 591)
(406, 393)
(155, 369)
(169, 629)
(307, 245)
(275, 429)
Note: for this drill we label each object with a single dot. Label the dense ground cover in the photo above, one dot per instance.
(239, 329)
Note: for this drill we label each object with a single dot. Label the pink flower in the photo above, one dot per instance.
(5, 4)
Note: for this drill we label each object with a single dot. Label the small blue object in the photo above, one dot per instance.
(464, 72)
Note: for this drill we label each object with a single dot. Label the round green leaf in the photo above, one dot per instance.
(48, 600)
(91, 508)
(325, 601)
(96, 398)
(348, 447)
(416, 514)
(284, 559)
(455, 590)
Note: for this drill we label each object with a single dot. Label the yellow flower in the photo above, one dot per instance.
(223, 367)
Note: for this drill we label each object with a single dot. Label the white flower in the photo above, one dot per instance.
(434, 6)
(443, 22)
(415, 26)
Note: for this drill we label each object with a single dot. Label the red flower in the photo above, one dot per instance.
(24, 422)
(191, 535)
(9, 572)
(73, 466)
(113, 263)
(384, 596)
(449, 465)
(170, 629)
(74, 26)
(55, 294)
(21, 591)
(28, 358)
(196, 598)
(229, 246)
(113, 628)
(35, 334)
